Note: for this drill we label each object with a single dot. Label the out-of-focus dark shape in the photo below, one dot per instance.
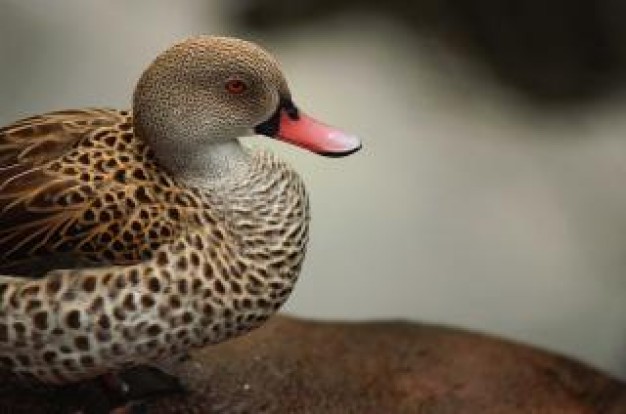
(557, 48)
(554, 50)
(277, 14)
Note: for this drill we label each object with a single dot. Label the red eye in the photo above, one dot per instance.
(236, 86)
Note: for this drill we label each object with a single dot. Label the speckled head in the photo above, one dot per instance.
(209, 89)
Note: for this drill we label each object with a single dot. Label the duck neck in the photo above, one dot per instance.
(209, 164)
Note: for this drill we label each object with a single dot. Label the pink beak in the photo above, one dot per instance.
(315, 136)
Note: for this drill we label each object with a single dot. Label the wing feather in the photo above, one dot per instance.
(67, 188)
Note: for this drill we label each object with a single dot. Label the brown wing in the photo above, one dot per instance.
(80, 185)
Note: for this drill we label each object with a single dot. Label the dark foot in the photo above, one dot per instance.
(122, 393)
(131, 408)
(87, 398)
(145, 382)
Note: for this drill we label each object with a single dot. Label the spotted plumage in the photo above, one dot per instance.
(127, 241)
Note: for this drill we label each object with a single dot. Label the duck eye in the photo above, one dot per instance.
(236, 86)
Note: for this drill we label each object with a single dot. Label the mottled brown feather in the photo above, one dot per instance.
(81, 183)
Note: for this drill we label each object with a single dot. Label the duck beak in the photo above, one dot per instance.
(292, 126)
(307, 132)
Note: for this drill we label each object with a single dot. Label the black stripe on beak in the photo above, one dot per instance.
(271, 127)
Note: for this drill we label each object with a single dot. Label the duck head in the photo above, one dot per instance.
(208, 90)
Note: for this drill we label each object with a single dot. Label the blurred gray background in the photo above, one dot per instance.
(490, 193)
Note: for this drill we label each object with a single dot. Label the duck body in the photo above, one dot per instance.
(129, 237)
(173, 266)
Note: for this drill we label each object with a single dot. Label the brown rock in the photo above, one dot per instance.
(295, 366)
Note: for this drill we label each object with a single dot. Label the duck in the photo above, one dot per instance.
(130, 237)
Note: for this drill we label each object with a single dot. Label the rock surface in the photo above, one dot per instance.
(297, 366)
